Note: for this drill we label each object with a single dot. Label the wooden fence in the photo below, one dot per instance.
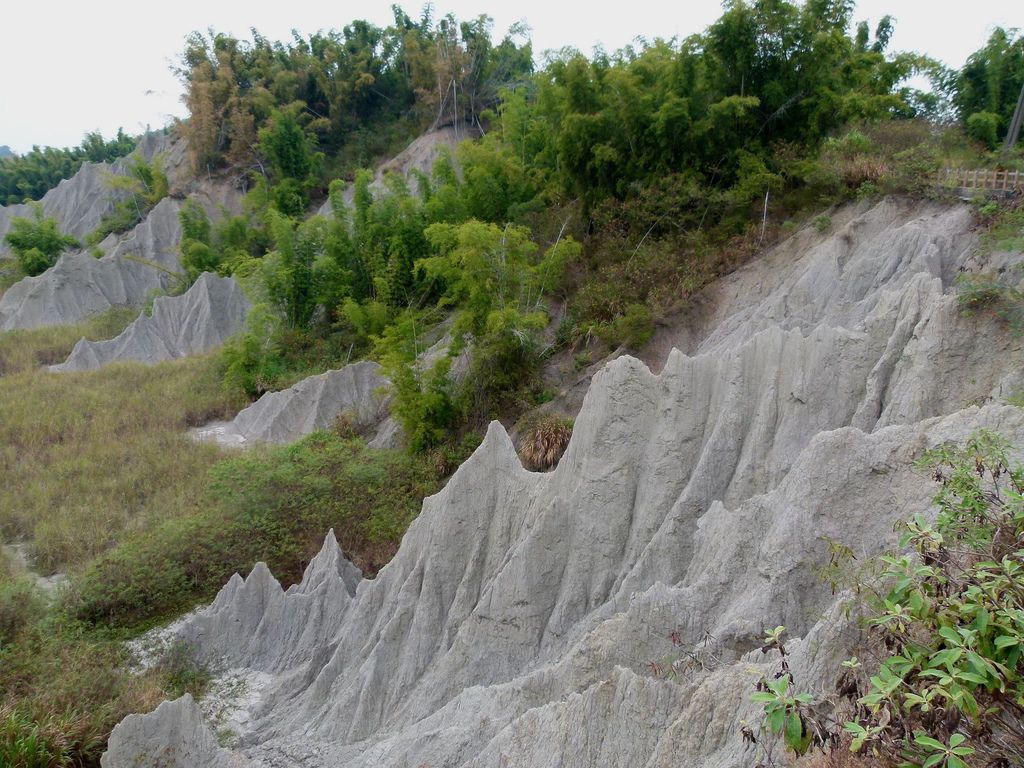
(982, 179)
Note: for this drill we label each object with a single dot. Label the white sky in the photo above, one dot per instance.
(72, 67)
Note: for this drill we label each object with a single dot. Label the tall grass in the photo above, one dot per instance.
(62, 689)
(86, 456)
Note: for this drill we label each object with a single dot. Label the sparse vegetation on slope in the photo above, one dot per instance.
(144, 185)
(618, 185)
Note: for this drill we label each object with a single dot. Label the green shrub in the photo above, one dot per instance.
(978, 292)
(226, 248)
(822, 223)
(250, 363)
(984, 126)
(632, 329)
(787, 715)
(952, 620)
(868, 190)
(944, 684)
(36, 242)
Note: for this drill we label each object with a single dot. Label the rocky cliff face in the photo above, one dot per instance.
(135, 264)
(78, 204)
(359, 390)
(517, 623)
(201, 319)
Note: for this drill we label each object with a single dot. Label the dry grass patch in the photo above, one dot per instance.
(86, 456)
(544, 440)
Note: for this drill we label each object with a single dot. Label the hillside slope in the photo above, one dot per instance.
(518, 622)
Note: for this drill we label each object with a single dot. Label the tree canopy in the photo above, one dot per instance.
(986, 90)
(29, 176)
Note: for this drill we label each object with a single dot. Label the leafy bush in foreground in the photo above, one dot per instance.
(948, 688)
(951, 692)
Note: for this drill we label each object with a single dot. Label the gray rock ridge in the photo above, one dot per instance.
(177, 724)
(79, 203)
(136, 265)
(203, 318)
(232, 631)
(519, 616)
(359, 389)
(80, 285)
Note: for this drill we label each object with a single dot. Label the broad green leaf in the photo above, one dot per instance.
(981, 620)
(794, 731)
(971, 677)
(928, 741)
(951, 636)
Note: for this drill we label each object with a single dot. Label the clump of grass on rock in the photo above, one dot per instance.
(544, 440)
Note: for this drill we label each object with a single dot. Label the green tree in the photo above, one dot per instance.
(293, 159)
(986, 90)
(289, 269)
